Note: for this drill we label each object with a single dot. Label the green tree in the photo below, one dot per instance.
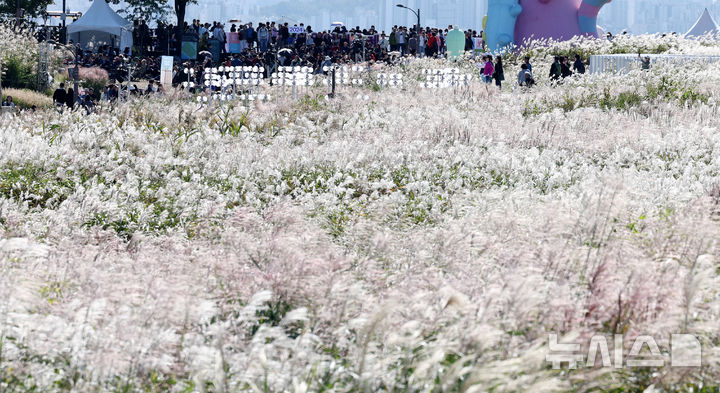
(153, 10)
(149, 10)
(180, 7)
(32, 8)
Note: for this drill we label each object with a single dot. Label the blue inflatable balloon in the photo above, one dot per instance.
(500, 29)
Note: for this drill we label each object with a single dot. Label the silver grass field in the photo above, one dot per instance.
(407, 240)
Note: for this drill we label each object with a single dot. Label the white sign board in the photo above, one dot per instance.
(166, 63)
(166, 69)
(296, 29)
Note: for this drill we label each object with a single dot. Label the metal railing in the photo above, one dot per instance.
(623, 63)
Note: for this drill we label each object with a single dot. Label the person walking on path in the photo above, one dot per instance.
(70, 98)
(578, 65)
(59, 95)
(488, 69)
(499, 74)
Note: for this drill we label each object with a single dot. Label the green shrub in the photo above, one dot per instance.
(18, 74)
(95, 78)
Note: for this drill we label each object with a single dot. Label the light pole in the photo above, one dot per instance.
(76, 70)
(17, 14)
(76, 75)
(1, 75)
(283, 16)
(64, 28)
(417, 28)
(190, 72)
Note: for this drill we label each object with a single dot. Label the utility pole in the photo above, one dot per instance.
(417, 27)
(332, 94)
(64, 28)
(19, 14)
(129, 76)
(76, 75)
(364, 38)
(1, 75)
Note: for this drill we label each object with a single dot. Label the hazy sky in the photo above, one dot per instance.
(643, 16)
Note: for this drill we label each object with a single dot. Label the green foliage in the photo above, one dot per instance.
(337, 220)
(637, 226)
(42, 189)
(53, 291)
(32, 8)
(272, 315)
(149, 10)
(18, 74)
(623, 101)
(228, 125)
(34, 185)
(666, 90)
(311, 103)
(532, 108)
(97, 85)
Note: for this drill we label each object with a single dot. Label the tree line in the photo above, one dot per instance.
(149, 10)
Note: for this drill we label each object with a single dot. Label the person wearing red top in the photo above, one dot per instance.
(432, 45)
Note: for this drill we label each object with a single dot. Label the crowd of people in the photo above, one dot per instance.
(267, 44)
(273, 44)
(87, 97)
(270, 45)
(559, 70)
(340, 41)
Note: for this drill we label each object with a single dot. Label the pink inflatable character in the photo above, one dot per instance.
(557, 19)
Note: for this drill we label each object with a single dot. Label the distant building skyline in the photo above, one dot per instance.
(655, 16)
(635, 16)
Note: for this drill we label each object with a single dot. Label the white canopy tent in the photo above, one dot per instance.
(101, 25)
(704, 25)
